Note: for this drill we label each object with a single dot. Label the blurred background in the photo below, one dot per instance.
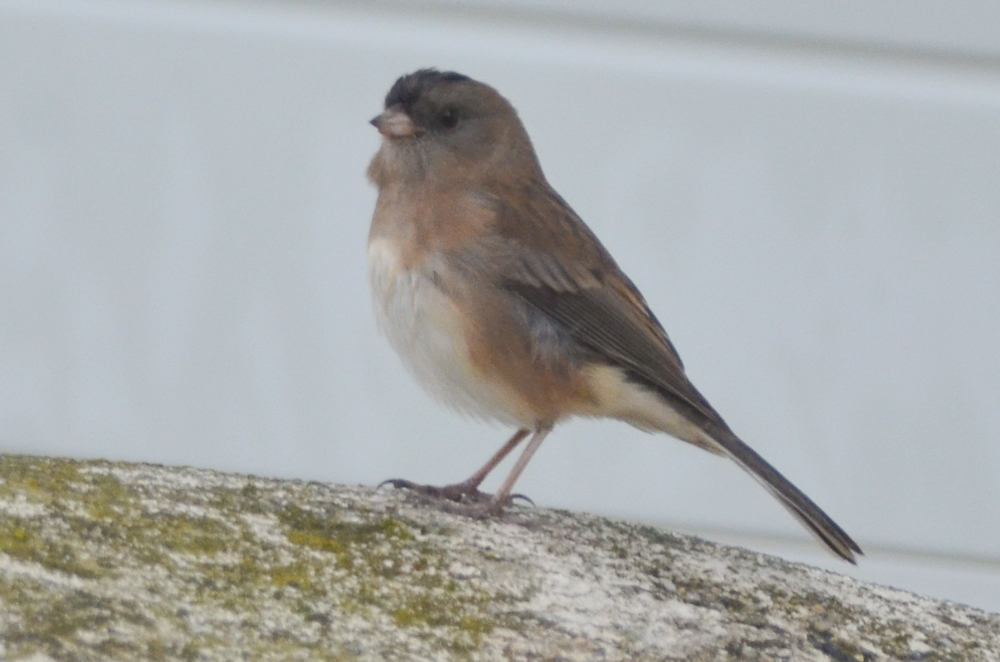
(809, 197)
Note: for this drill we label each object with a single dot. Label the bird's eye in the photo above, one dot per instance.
(449, 117)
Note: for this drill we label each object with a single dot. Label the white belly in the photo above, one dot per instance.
(426, 329)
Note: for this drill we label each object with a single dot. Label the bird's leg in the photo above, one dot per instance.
(467, 490)
(503, 494)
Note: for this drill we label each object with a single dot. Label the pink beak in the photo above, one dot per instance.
(394, 123)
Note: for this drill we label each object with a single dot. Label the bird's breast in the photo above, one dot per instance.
(430, 332)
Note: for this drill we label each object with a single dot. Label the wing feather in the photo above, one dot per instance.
(553, 262)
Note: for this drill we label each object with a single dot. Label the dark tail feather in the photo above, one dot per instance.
(798, 504)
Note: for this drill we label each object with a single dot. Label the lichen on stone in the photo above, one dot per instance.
(114, 561)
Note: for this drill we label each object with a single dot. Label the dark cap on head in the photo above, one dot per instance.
(408, 88)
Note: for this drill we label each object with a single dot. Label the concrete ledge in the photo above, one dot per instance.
(113, 561)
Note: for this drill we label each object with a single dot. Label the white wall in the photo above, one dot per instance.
(811, 204)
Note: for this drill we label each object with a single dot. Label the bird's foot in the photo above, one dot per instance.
(467, 493)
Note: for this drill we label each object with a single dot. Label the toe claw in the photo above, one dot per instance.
(511, 498)
(397, 483)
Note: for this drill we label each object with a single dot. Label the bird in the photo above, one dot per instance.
(505, 306)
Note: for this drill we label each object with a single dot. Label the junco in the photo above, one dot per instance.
(506, 306)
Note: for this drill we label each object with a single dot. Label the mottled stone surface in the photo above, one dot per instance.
(111, 561)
